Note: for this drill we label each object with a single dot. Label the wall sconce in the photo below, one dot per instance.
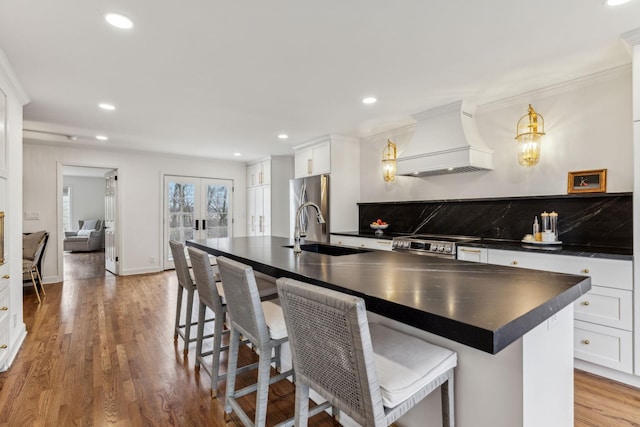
(529, 133)
(389, 161)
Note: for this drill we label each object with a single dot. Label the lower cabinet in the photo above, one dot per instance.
(603, 326)
(4, 325)
(361, 242)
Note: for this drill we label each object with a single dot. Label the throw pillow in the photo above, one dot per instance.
(89, 224)
(84, 233)
(30, 244)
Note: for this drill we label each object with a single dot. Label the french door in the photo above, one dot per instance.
(196, 208)
(110, 224)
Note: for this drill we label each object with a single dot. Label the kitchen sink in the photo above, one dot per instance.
(329, 249)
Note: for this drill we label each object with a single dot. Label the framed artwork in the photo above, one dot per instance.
(1, 238)
(592, 181)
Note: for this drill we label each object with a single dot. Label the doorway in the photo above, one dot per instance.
(83, 204)
(195, 208)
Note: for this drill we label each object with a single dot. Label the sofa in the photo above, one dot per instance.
(89, 236)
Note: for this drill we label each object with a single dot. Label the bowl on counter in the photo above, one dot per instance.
(379, 228)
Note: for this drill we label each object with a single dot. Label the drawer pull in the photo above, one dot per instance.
(585, 270)
(585, 303)
(6, 276)
(514, 262)
(586, 342)
(3, 346)
(5, 308)
(473, 251)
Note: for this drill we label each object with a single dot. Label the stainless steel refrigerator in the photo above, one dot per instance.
(311, 189)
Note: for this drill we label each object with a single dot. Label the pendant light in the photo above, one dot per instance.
(529, 133)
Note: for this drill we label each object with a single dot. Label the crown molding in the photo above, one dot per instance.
(632, 37)
(7, 73)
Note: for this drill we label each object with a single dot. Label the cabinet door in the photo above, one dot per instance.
(251, 211)
(321, 159)
(265, 172)
(265, 223)
(302, 162)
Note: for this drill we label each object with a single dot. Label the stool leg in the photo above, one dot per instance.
(178, 310)
(200, 334)
(446, 391)
(231, 368)
(262, 395)
(217, 343)
(188, 321)
(40, 281)
(302, 405)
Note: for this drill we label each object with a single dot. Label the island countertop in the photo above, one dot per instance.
(482, 306)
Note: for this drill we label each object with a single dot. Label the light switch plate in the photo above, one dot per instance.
(31, 215)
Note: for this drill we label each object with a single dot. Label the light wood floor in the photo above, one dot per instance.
(100, 352)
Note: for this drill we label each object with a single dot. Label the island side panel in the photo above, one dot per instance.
(527, 384)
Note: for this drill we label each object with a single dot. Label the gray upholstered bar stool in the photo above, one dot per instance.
(261, 324)
(211, 295)
(185, 283)
(371, 372)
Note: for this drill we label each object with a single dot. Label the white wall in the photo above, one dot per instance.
(588, 125)
(139, 197)
(87, 198)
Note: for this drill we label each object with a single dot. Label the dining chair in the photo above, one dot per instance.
(371, 372)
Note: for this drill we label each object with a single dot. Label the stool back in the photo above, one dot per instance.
(180, 262)
(205, 281)
(243, 300)
(331, 348)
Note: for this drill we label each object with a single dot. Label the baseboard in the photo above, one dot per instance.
(612, 374)
(145, 270)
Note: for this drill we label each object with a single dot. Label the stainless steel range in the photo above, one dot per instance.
(437, 245)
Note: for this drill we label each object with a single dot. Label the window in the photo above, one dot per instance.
(66, 209)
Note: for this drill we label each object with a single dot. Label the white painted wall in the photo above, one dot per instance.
(87, 198)
(588, 125)
(139, 197)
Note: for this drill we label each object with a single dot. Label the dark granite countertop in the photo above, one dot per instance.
(513, 245)
(483, 306)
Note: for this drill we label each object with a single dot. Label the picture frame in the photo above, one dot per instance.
(590, 181)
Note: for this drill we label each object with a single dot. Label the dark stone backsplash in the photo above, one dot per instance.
(586, 219)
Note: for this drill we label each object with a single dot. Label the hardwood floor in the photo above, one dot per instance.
(100, 352)
(84, 265)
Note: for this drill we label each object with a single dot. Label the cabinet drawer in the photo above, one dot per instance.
(603, 345)
(606, 306)
(611, 273)
(472, 254)
(4, 305)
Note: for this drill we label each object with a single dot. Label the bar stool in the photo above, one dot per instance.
(185, 283)
(371, 372)
(211, 295)
(262, 324)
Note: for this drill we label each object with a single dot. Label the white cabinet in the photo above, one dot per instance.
(259, 173)
(603, 332)
(268, 196)
(313, 159)
(361, 242)
(259, 210)
(466, 253)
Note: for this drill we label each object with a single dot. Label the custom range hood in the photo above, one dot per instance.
(446, 140)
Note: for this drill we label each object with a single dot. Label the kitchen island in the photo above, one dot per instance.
(512, 328)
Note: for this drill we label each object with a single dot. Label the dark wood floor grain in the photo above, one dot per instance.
(100, 352)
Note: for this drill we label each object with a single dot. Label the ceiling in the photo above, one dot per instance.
(212, 78)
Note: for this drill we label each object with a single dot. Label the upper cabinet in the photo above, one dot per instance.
(259, 173)
(313, 159)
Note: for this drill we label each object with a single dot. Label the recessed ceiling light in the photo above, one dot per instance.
(106, 106)
(616, 2)
(119, 21)
(101, 137)
(369, 100)
(283, 136)
(237, 154)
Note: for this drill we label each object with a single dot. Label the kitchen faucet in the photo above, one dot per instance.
(297, 232)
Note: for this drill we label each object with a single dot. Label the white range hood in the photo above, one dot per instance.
(446, 141)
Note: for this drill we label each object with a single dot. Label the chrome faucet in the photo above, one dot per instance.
(297, 232)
